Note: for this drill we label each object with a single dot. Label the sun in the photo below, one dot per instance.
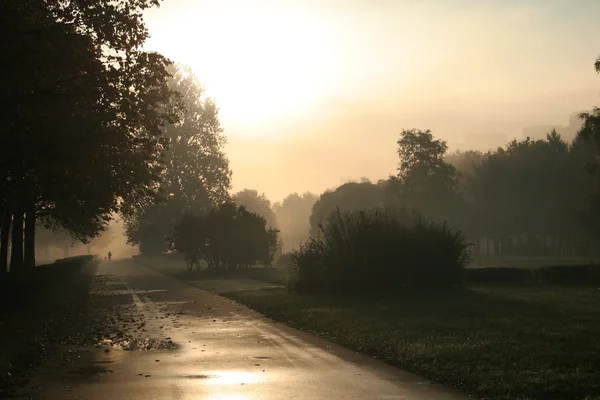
(257, 63)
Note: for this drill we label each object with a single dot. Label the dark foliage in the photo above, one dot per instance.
(227, 238)
(379, 250)
(257, 203)
(196, 174)
(82, 109)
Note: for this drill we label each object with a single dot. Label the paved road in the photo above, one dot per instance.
(224, 351)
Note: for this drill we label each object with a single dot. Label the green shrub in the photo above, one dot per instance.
(499, 274)
(379, 250)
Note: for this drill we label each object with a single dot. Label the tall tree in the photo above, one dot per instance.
(590, 131)
(424, 176)
(591, 120)
(197, 169)
(83, 107)
(196, 175)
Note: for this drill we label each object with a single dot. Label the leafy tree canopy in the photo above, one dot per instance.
(196, 175)
(257, 203)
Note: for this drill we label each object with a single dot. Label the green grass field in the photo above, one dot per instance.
(495, 342)
(492, 342)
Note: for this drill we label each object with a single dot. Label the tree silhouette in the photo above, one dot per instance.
(226, 238)
(196, 173)
(591, 120)
(424, 176)
(529, 196)
(257, 203)
(350, 196)
(83, 107)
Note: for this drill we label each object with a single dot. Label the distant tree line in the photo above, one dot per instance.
(533, 197)
(529, 198)
(414, 229)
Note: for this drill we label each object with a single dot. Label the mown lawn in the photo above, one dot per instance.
(494, 342)
(529, 262)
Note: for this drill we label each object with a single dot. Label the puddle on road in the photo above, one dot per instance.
(221, 378)
(262, 358)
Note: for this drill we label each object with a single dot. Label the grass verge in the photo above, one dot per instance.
(494, 342)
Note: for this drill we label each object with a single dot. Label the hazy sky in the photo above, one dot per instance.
(314, 92)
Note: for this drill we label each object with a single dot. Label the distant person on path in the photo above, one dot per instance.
(109, 255)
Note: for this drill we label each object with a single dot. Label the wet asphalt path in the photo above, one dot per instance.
(222, 350)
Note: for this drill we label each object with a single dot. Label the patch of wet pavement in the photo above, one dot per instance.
(91, 370)
(146, 343)
(117, 320)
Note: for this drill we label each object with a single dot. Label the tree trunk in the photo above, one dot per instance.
(4, 236)
(30, 218)
(16, 254)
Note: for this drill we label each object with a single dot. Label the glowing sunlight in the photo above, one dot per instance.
(258, 63)
(292, 78)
